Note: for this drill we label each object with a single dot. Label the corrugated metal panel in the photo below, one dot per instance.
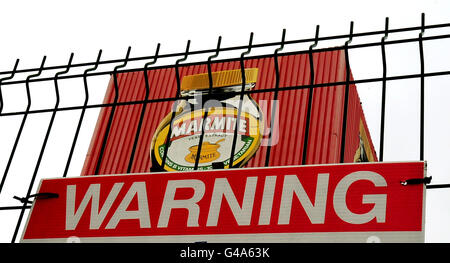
(325, 126)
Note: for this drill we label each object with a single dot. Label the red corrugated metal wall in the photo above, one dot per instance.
(326, 114)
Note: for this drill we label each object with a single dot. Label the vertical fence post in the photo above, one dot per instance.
(422, 89)
(275, 97)
(241, 97)
(27, 84)
(2, 183)
(346, 94)
(144, 107)
(83, 111)
(310, 97)
(113, 110)
(383, 91)
(177, 75)
(205, 115)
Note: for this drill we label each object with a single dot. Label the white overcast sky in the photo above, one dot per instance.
(32, 29)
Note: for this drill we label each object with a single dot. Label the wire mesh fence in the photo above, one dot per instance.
(48, 113)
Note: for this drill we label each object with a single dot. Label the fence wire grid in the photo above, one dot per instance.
(48, 113)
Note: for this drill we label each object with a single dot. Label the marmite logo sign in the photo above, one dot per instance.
(219, 129)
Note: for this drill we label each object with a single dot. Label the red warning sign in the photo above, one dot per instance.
(319, 203)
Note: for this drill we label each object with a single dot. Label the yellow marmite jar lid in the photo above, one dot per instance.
(219, 79)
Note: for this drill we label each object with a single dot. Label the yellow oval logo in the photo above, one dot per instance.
(219, 131)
